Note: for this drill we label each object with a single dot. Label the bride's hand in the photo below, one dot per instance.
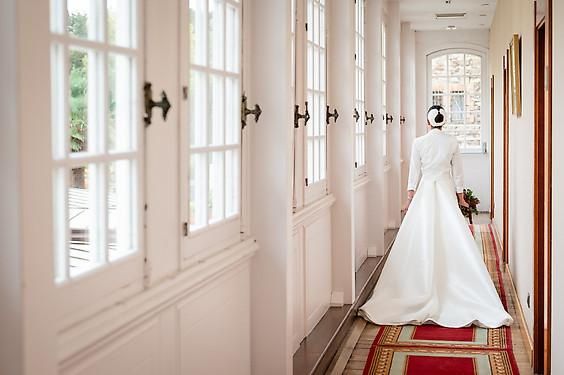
(406, 206)
(462, 202)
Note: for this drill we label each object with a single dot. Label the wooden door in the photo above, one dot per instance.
(543, 190)
(492, 147)
(506, 158)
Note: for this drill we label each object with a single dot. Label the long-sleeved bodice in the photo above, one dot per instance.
(435, 153)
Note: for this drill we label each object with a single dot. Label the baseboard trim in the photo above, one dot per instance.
(527, 339)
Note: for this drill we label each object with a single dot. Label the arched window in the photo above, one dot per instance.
(456, 84)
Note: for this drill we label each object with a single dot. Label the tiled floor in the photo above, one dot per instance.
(355, 348)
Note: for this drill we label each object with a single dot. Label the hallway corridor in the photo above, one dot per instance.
(206, 187)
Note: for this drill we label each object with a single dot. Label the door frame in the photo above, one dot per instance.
(492, 147)
(506, 158)
(542, 188)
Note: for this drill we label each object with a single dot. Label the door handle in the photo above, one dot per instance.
(368, 118)
(328, 115)
(164, 104)
(298, 116)
(246, 111)
(356, 115)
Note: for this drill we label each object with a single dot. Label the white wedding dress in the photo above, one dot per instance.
(435, 272)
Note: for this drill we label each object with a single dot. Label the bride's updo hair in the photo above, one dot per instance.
(436, 116)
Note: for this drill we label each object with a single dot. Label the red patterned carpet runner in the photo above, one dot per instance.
(434, 350)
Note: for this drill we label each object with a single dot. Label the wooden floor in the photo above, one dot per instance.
(353, 353)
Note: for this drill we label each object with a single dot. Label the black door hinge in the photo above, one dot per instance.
(355, 164)
(306, 26)
(185, 229)
(306, 182)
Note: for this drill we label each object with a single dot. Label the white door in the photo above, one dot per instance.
(310, 85)
(211, 128)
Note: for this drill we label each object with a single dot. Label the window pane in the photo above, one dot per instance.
(309, 64)
(439, 66)
(310, 160)
(79, 99)
(456, 85)
(233, 50)
(198, 191)
(232, 111)
(232, 193)
(473, 65)
(322, 26)
(121, 209)
(81, 220)
(216, 110)
(119, 22)
(473, 118)
(322, 72)
(310, 20)
(216, 33)
(315, 24)
(439, 100)
(439, 85)
(473, 102)
(80, 18)
(198, 31)
(456, 103)
(457, 118)
(310, 126)
(456, 64)
(316, 69)
(316, 115)
(473, 85)
(198, 108)
(121, 103)
(58, 105)
(216, 187)
(322, 109)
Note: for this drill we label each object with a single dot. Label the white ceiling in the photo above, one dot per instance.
(421, 13)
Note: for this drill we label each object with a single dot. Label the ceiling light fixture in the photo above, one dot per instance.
(449, 16)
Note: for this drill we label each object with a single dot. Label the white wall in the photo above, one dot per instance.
(476, 166)
(557, 191)
(516, 17)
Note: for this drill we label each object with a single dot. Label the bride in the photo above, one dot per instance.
(435, 272)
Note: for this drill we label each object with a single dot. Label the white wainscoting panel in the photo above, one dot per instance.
(361, 225)
(215, 328)
(298, 288)
(135, 352)
(318, 270)
(207, 331)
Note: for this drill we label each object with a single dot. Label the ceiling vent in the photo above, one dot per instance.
(449, 16)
